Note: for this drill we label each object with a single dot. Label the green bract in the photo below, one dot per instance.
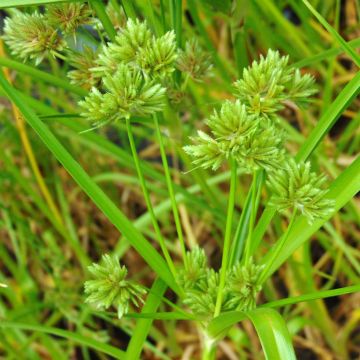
(296, 187)
(31, 37)
(127, 93)
(110, 286)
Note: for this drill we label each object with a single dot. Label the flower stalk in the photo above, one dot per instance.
(148, 200)
(171, 190)
(227, 239)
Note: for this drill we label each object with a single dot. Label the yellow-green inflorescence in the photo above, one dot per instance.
(296, 187)
(111, 288)
(201, 285)
(32, 37)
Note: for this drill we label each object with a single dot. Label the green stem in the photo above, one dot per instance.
(100, 11)
(252, 220)
(171, 190)
(269, 263)
(227, 240)
(147, 199)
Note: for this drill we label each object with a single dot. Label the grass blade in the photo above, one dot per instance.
(100, 10)
(11, 3)
(42, 76)
(273, 333)
(143, 325)
(313, 296)
(348, 49)
(115, 215)
(80, 339)
(270, 327)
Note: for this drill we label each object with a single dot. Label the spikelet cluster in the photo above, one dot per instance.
(126, 93)
(132, 69)
(194, 61)
(247, 129)
(36, 36)
(69, 16)
(136, 46)
(32, 37)
(111, 288)
(240, 135)
(267, 83)
(201, 285)
(295, 186)
(82, 75)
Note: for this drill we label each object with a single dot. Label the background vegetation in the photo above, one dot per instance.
(52, 227)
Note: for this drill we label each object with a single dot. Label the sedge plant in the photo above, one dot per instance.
(135, 79)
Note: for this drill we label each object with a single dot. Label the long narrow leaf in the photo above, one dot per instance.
(42, 76)
(80, 339)
(348, 49)
(11, 3)
(143, 325)
(313, 296)
(273, 333)
(270, 326)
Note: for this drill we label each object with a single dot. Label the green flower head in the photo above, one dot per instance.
(110, 287)
(267, 83)
(157, 59)
(127, 93)
(239, 135)
(294, 186)
(263, 84)
(195, 270)
(201, 285)
(31, 37)
(243, 284)
(194, 61)
(69, 16)
(128, 43)
(83, 63)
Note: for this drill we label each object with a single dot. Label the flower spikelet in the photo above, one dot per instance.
(110, 286)
(301, 87)
(206, 152)
(295, 186)
(269, 82)
(201, 298)
(127, 93)
(31, 37)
